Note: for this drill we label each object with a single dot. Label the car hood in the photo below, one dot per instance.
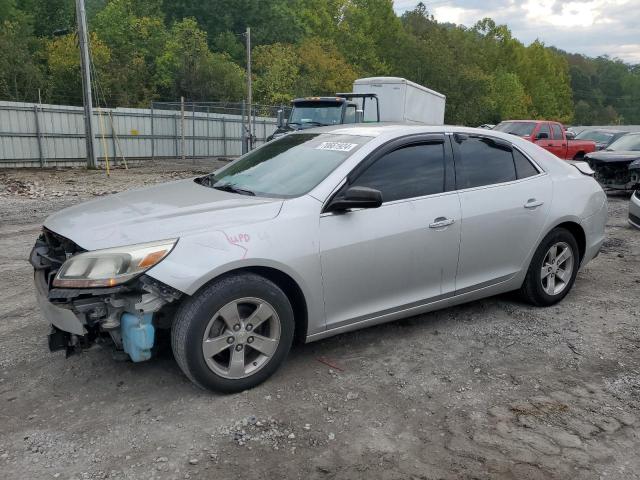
(168, 210)
(621, 157)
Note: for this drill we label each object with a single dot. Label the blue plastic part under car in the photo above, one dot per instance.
(137, 335)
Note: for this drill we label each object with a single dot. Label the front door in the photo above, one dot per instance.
(402, 254)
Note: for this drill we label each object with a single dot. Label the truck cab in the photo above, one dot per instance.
(311, 112)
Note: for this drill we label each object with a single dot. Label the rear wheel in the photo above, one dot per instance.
(233, 334)
(553, 269)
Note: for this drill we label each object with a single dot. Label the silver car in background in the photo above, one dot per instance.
(314, 234)
(634, 209)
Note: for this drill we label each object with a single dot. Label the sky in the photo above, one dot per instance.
(593, 28)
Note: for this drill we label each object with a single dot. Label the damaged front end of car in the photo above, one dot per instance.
(102, 296)
(616, 175)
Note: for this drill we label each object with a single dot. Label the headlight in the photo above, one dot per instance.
(111, 266)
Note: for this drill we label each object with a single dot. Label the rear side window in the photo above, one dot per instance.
(408, 172)
(482, 162)
(524, 168)
(557, 131)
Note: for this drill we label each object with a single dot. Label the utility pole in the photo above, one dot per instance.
(249, 90)
(81, 17)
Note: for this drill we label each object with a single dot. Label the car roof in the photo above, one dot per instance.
(527, 121)
(606, 130)
(397, 129)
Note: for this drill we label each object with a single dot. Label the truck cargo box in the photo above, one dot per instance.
(402, 101)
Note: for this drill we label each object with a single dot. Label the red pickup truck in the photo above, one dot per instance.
(550, 136)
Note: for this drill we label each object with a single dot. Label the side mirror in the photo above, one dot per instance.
(570, 135)
(280, 117)
(542, 136)
(357, 197)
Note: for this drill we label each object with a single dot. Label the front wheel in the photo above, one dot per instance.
(553, 269)
(234, 333)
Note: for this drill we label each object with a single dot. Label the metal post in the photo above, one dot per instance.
(175, 136)
(243, 129)
(113, 140)
(182, 127)
(39, 135)
(81, 17)
(193, 132)
(249, 88)
(153, 137)
(224, 136)
(208, 135)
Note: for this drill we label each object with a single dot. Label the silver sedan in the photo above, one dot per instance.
(314, 234)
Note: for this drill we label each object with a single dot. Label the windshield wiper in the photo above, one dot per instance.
(320, 124)
(230, 187)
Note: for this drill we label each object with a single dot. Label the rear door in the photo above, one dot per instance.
(504, 200)
(402, 254)
(558, 143)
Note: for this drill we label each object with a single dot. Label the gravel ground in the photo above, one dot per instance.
(491, 389)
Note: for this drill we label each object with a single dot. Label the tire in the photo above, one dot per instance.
(537, 289)
(207, 322)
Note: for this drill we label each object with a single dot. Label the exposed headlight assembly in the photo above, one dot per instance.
(111, 266)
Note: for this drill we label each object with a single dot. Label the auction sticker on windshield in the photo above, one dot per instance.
(337, 146)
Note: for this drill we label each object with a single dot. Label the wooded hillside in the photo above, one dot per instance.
(145, 50)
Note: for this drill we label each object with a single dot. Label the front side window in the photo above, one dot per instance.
(557, 132)
(350, 114)
(408, 172)
(287, 167)
(544, 129)
(480, 161)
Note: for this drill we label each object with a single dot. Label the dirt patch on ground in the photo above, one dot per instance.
(491, 389)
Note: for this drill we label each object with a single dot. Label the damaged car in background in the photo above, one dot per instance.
(617, 167)
(319, 232)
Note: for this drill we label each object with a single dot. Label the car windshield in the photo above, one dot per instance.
(597, 136)
(522, 129)
(316, 113)
(287, 167)
(629, 142)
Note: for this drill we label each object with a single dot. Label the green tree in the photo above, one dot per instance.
(136, 41)
(277, 69)
(188, 68)
(20, 71)
(510, 98)
(63, 62)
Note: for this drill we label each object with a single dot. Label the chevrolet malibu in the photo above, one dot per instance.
(314, 234)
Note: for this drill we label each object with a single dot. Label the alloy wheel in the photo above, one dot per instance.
(241, 337)
(557, 268)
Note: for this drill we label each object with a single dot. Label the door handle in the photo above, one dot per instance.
(549, 144)
(533, 203)
(441, 222)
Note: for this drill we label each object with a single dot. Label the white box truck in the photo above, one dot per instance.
(375, 99)
(401, 100)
